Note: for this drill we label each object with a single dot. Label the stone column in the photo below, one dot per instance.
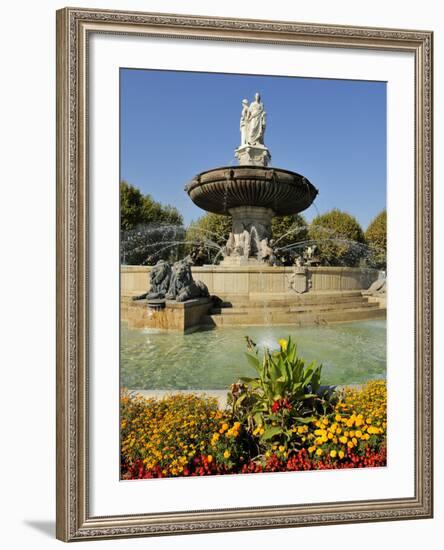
(251, 231)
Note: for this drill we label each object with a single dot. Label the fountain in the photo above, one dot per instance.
(251, 193)
(249, 286)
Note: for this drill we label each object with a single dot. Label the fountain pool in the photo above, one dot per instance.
(212, 359)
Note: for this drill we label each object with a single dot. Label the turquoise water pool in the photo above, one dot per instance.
(350, 353)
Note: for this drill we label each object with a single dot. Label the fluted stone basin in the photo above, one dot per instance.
(221, 189)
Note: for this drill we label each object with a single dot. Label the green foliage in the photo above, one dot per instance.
(287, 230)
(148, 228)
(137, 209)
(131, 206)
(146, 244)
(339, 238)
(376, 236)
(285, 394)
(206, 235)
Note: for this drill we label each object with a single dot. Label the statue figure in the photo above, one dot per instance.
(266, 252)
(244, 122)
(309, 252)
(182, 286)
(256, 122)
(309, 255)
(298, 261)
(378, 287)
(160, 276)
(228, 249)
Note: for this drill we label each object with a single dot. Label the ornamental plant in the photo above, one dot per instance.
(355, 428)
(276, 407)
(188, 435)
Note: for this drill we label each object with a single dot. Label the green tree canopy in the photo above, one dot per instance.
(206, 236)
(376, 237)
(138, 209)
(287, 231)
(149, 229)
(339, 238)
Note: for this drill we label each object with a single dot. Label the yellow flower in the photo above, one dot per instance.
(341, 454)
(350, 444)
(281, 448)
(227, 454)
(210, 458)
(319, 452)
(343, 439)
(338, 418)
(311, 449)
(333, 453)
(283, 343)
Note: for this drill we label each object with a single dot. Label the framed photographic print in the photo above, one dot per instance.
(244, 276)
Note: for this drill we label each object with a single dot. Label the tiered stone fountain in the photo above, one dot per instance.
(251, 193)
(254, 290)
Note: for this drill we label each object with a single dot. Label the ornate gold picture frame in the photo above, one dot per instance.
(74, 30)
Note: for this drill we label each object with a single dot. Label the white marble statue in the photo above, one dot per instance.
(244, 122)
(256, 122)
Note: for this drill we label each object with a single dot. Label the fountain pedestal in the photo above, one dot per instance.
(250, 235)
(253, 155)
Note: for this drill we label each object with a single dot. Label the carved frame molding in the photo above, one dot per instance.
(73, 519)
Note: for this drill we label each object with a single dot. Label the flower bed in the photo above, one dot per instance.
(283, 420)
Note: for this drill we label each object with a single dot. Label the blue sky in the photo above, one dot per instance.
(176, 124)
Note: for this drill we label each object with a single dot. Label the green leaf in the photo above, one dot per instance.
(254, 362)
(305, 419)
(271, 432)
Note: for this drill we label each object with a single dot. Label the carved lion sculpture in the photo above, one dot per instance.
(160, 277)
(182, 286)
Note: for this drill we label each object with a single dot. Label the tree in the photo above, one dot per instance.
(131, 206)
(150, 231)
(376, 237)
(206, 236)
(146, 244)
(287, 232)
(137, 209)
(339, 238)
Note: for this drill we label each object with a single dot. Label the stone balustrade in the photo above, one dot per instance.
(257, 280)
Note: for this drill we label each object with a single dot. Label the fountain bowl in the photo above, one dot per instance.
(221, 189)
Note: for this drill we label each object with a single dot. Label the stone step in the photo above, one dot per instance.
(293, 301)
(294, 318)
(290, 308)
(281, 296)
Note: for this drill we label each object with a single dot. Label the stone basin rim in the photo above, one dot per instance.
(251, 168)
(220, 189)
